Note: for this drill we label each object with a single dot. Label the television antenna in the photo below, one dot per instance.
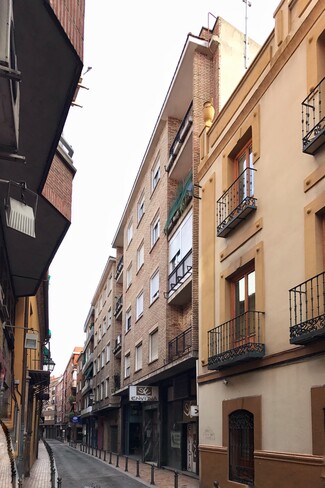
(247, 4)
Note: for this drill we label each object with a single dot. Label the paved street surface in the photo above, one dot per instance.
(5, 471)
(40, 475)
(81, 470)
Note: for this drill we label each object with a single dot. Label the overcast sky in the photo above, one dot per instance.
(133, 49)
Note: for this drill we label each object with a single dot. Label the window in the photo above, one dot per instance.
(108, 352)
(103, 358)
(100, 302)
(104, 325)
(155, 174)
(98, 363)
(99, 333)
(94, 368)
(129, 276)
(106, 387)
(102, 390)
(241, 446)
(139, 305)
(127, 365)
(98, 393)
(128, 320)
(243, 303)
(129, 233)
(141, 208)
(243, 175)
(153, 346)
(181, 243)
(155, 231)
(110, 284)
(140, 256)
(138, 357)
(109, 317)
(154, 287)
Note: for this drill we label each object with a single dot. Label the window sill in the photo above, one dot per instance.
(154, 300)
(152, 361)
(140, 317)
(154, 245)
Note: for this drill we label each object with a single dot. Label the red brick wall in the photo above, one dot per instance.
(58, 187)
(71, 14)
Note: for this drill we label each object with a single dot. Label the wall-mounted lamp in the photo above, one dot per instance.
(20, 207)
(31, 339)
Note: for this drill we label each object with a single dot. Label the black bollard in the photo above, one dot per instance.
(59, 482)
(152, 481)
(110, 458)
(92, 451)
(20, 483)
(216, 484)
(175, 479)
(105, 456)
(138, 474)
(117, 460)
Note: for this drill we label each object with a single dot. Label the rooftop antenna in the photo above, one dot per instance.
(247, 4)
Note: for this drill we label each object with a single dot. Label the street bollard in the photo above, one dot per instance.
(96, 452)
(138, 474)
(92, 451)
(175, 479)
(110, 458)
(59, 482)
(216, 484)
(20, 483)
(117, 460)
(126, 463)
(105, 456)
(152, 481)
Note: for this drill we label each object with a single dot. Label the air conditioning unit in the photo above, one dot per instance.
(9, 81)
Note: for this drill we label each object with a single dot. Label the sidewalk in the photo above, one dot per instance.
(40, 474)
(5, 469)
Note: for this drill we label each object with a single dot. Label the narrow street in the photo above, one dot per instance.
(78, 470)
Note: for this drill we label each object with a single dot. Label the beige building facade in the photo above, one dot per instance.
(261, 266)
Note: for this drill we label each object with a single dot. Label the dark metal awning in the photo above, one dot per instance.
(38, 377)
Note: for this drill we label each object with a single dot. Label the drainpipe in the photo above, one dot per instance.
(23, 415)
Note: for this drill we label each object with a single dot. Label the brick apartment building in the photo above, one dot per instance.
(262, 262)
(145, 309)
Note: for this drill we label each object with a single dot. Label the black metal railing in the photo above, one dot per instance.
(180, 136)
(307, 310)
(118, 306)
(313, 120)
(119, 267)
(183, 268)
(236, 203)
(180, 345)
(237, 340)
(118, 344)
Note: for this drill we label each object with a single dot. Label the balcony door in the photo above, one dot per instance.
(243, 176)
(243, 303)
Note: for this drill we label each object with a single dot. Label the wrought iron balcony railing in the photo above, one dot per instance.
(183, 197)
(180, 137)
(180, 345)
(238, 340)
(118, 306)
(118, 345)
(313, 120)
(236, 203)
(180, 273)
(307, 310)
(119, 268)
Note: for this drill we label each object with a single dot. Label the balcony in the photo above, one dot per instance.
(236, 203)
(86, 411)
(87, 362)
(307, 310)
(180, 345)
(179, 285)
(118, 308)
(119, 270)
(89, 337)
(183, 198)
(313, 120)
(180, 138)
(236, 341)
(118, 346)
(87, 386)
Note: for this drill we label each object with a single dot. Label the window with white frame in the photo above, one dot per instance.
(138, 356)
(110, 284)
(155, 231)
(181, 243)
(141, 207)
(129, 275)
(128, 320)
(99, 333)
(129, 235)
(153, 346)
(127, 365)
(98, 393)
(94, 368)
(102, 390)
(106, 387)
(109, 317)
(155, 174)
(108, 352)
(154, 287)
(104, 325)
(140, 256)
(139, 305)
(103, 358)
(98, 363)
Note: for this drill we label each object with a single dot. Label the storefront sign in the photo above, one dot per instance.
(143, 393)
